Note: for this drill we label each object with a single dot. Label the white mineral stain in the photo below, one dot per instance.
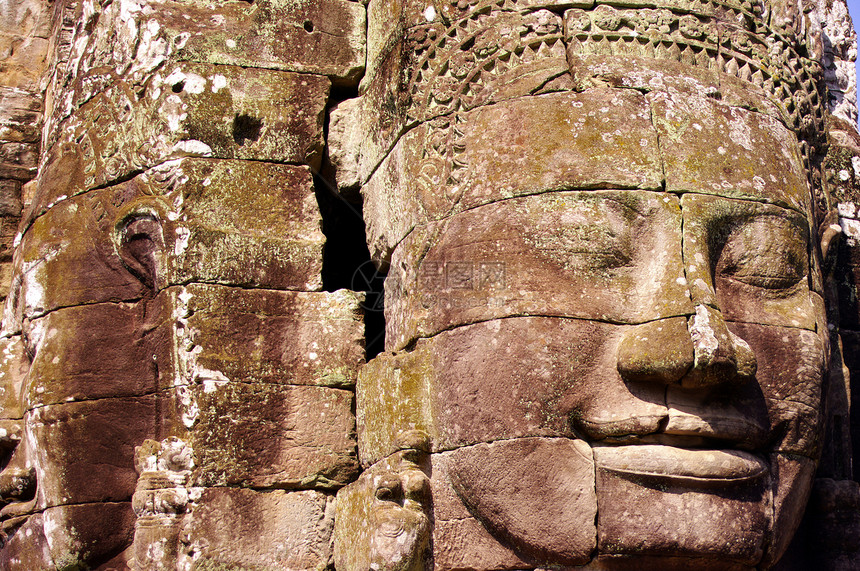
(180, 40)
(704, 338)
(219, 82)
(739, 132)
(194, 83)
(182, 236)
(848, 209)
(193, 147)
(850, 227)
(430, 13)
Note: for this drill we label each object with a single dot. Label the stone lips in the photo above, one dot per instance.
(694, 467)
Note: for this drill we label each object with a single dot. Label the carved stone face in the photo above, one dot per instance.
(102, 376)
(603, 303)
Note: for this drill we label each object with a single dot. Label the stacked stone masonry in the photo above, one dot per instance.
(168, 343)
(622, 248)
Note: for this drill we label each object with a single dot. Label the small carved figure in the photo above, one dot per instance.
(160, 501)
(391, 529)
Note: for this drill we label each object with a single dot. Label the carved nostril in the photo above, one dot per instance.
(744, 358)
(659, 351)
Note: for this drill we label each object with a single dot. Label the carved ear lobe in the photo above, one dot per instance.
(830, 233)
(140, 242)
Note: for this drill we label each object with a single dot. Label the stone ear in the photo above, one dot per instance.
(830, 233)
(139, 240)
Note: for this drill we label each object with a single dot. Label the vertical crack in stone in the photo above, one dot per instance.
(346, 257)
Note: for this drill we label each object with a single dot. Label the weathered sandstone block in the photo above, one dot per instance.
(276, 436)
(611, 256)
(188, 109)
(285, 338)
(240, 529)
(73, 468)
(601, 139)
(233, 222)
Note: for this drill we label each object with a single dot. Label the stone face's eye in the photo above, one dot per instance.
(766, 251)
(584, 234)
(389, 490)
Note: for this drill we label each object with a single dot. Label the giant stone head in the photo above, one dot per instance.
(601, 223)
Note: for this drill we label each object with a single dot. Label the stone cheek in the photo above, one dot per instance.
(97, 531)
(119, 363)
(526, 377)
(793, 477)
(539, 494)
(114, 427)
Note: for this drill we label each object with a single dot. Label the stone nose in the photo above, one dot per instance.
(694, 352)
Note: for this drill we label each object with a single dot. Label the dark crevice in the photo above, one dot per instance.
(346, 258)
(347, 263)
(246, 128)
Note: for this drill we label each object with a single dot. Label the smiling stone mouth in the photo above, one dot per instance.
(697, 467)
(678, 429)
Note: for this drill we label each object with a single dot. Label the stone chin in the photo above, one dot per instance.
(559, 501)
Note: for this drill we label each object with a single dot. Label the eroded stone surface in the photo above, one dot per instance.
(282, 436)
(196, 220)
(602, 138)
(605, 256)
(552, 517)
(749, 260)
(86, 449)
(692, 515)
(285, 338)
(384, 516)
(527, 377)
(232, 528)
(710, 148)
(192, 110)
